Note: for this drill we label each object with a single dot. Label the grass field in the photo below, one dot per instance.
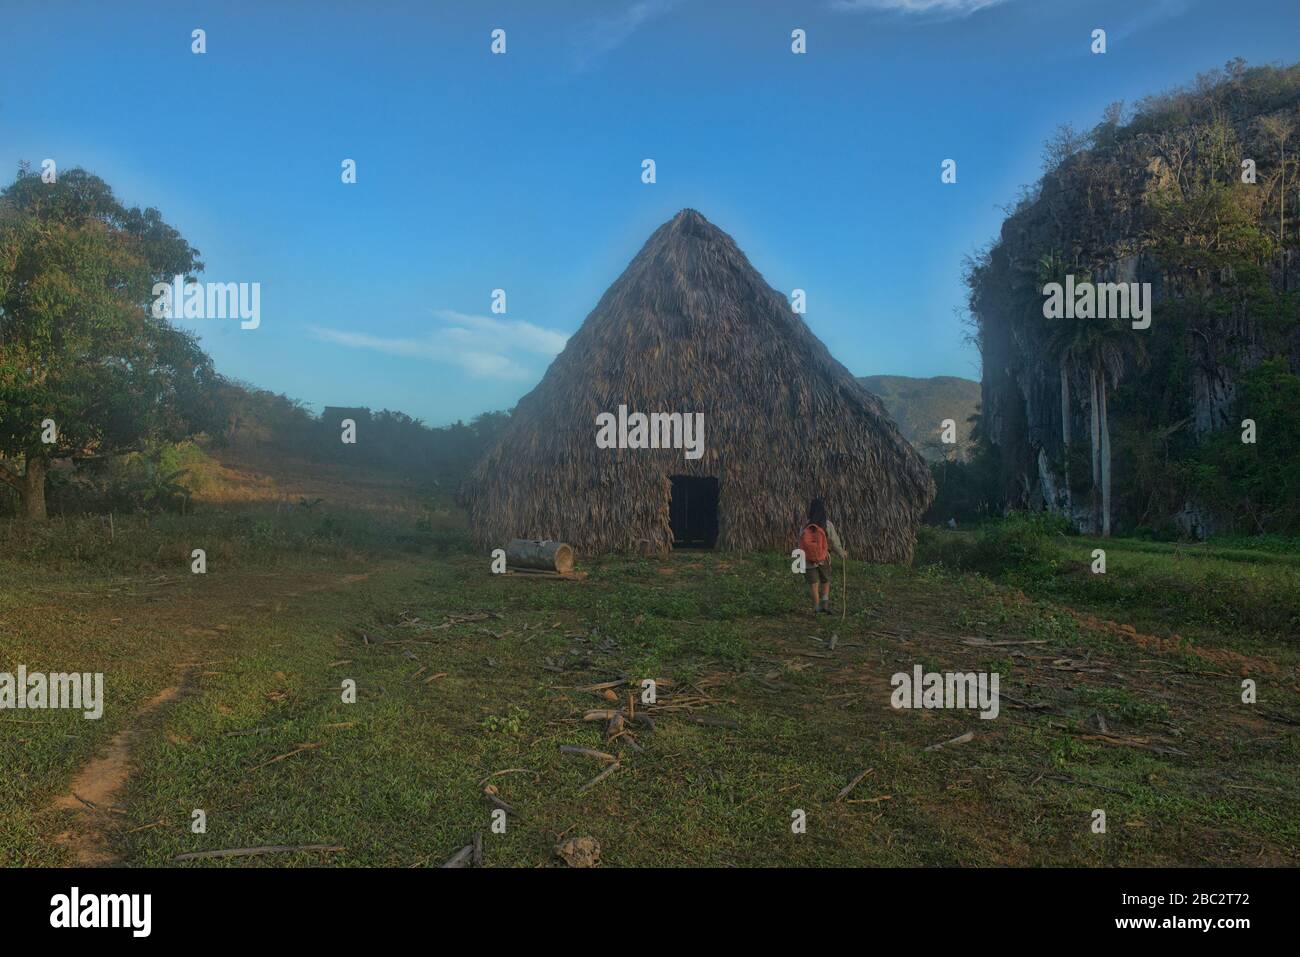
(224, 694)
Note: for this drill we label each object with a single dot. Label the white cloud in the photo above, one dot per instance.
(1154, 12)
(479, 345)
(940, 8)
(530, 338)
(600, 37)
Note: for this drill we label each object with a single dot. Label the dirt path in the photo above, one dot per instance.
(98, 783)
(94, 790)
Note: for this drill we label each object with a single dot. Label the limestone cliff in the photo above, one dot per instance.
(1194, 195)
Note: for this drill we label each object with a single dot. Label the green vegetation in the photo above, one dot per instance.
(461, 674)
(1142, 427)
(1259, 482)
(86, 370)
(1120, 689)
(1232, 593)
(106, 408)
(919, 406)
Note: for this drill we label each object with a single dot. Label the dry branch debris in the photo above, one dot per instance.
(845, 791)
(600, 777)
(587, 753)
(960, 739)
(280, 757)
(255, 851)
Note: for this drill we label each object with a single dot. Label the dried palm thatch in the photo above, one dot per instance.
(691, 326)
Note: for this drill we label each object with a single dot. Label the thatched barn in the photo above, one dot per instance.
(691, 327)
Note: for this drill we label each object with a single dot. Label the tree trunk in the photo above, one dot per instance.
(1105, 463)
(1281, 222)
(1065, 441)
(1096, 451)
(33, 490)
(546, 555)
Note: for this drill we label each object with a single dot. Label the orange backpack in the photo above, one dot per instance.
(814, 543)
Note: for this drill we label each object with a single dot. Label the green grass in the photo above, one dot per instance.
(1229, 594)
(268, 636)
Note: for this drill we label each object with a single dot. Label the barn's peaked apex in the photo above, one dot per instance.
(689, 229)
(690, 222)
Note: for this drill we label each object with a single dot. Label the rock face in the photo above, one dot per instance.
(1159, 200)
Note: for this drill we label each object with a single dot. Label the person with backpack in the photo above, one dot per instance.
(817, 539)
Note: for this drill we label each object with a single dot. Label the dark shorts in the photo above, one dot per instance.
(819, 574)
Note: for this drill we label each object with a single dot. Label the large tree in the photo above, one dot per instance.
(82, 359)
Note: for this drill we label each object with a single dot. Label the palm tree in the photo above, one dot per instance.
(1279, 130)
(1098, 350)
(1060, 347)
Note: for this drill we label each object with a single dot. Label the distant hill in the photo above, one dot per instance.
(919, 406)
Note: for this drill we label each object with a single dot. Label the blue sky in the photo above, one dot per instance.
(522, 171)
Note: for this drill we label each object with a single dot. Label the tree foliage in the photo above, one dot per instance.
(78, 344)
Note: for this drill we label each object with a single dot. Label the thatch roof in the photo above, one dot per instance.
(691, 326)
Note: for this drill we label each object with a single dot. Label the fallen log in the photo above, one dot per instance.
(546, 555)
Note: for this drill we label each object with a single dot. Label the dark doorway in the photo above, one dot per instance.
(693, 512)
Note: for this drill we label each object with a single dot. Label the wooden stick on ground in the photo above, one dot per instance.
(240, 734)
(600, 777)
(254, 851)
(960, 739)
(603, 685)
(462, 858)
(587, 753)
(145, 827)
(844, 792)
(490, 795)
(281, 757)
(626, 737)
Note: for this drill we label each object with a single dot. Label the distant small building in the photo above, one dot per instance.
(334, 439)
(335, 414)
